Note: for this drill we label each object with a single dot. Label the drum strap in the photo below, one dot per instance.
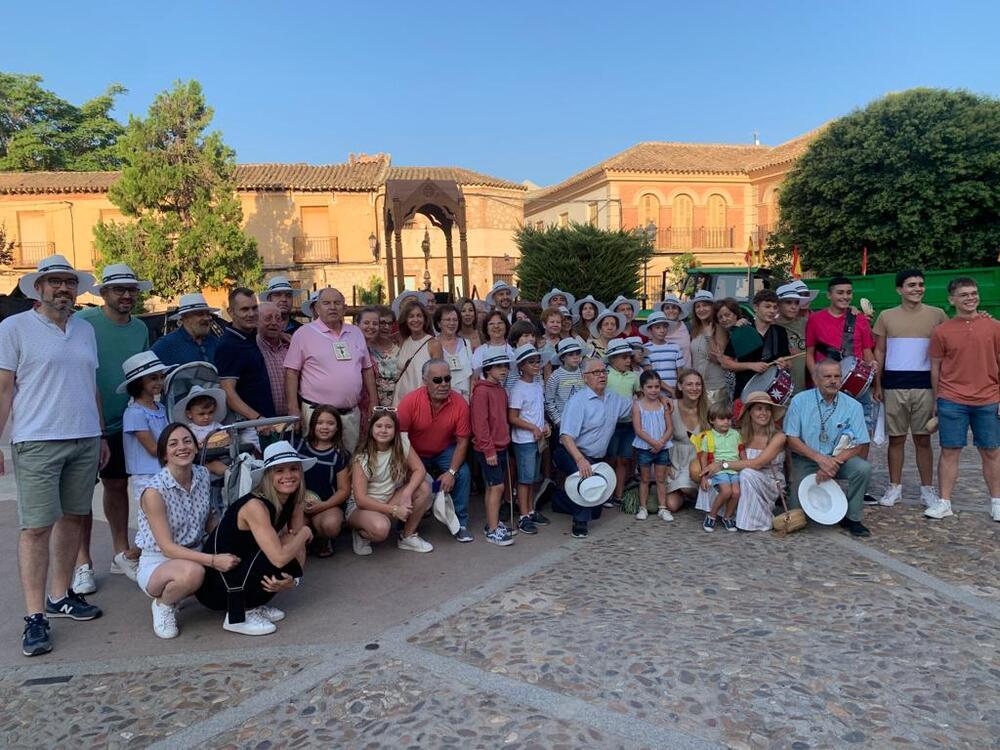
(847, 339)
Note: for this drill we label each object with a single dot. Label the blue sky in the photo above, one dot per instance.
(521, 90)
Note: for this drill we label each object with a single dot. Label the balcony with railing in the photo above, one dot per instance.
(695, 238)
(27, 254)
(315, 250)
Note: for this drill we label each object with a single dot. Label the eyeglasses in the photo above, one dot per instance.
(121, 291)
(69, 283)
(602, 371)
(439, 379)
(384, 410)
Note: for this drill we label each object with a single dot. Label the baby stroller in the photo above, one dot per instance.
(236, 452)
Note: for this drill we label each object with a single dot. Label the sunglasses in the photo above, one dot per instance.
(439, 379)
(384, 410)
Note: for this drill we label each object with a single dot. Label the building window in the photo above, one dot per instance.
(592, 213)
(317, 244)
(649, 210)
(716, 234)
(33, 239)
(539, 226)
(564, 220)
(682, 223)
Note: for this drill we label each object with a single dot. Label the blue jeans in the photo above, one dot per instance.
(956, 419)
(561, 503)
(437, 465)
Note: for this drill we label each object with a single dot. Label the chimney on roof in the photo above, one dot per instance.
(756, 138)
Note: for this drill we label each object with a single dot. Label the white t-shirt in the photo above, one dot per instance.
(530, 399)
(55, 377)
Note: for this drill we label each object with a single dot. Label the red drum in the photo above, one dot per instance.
(856, 376)
(775, 381)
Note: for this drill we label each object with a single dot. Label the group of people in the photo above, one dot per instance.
(419, 400)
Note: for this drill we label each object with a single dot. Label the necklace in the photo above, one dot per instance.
(824, 437)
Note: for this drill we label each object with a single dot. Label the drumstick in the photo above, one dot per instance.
(790, 356)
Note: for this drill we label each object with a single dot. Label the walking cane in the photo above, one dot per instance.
(510, 488)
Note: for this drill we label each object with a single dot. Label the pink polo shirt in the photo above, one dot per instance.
(329, 365)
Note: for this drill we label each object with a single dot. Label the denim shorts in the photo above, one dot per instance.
(648, 458)
(725, 477)
(529, 462)
(621, 441)
(954, 421)
(494, 475)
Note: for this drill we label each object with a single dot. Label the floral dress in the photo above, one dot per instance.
(386, 371)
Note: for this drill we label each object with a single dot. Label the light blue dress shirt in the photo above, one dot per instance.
(591, 419)
(809, 410)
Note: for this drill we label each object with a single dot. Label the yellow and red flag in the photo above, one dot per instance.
(760, 253)
(748, 255)
(796, 263)
(864, 261)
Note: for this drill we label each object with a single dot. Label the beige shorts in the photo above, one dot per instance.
(907, 410)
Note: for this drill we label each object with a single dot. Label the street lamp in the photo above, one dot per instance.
(425, 245)
(373, 246)
(648, 234)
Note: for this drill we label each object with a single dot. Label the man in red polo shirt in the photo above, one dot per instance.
(436, 420)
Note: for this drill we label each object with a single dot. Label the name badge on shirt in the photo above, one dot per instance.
(341, 351)
(453, 363)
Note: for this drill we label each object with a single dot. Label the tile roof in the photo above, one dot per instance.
(362, 173)
(713, 158)
(457, 174)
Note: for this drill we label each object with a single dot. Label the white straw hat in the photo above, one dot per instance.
(50, 265)
(192, 303)
(595, 489)
(824, 502)
(555, 292)
(216, 394)
(279, 284)
(119, 274)
(138, 366)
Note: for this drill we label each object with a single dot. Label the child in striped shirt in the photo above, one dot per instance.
(662, 356)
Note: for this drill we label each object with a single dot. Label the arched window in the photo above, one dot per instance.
(682, 222)
(649, 210)
(715, 222)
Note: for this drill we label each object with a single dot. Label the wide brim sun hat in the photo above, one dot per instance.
(119, 274)
(47, 267)
(555, 292)
(685, 309)
(279, 284)
(656, 317)
(192, 303)
(595, 489)
(805, 293)
(217, 394)
(596, 325)
(277, 454)
(568, 346)
(514, 292)
(621, 300)
(616, 347)
(585, 300)
(759, 397)
(824, 502)
(139, 366)
(397, 303)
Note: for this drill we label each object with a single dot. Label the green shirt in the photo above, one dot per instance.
(115, 344)
(624, 384)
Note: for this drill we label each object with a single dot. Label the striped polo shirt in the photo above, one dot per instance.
(666, 359)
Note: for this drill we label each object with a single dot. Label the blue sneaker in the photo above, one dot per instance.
(499, 536)
(526, 525)
(35, 640)
(709, 524)
(729, 524)
(538, 519)
(73, 606)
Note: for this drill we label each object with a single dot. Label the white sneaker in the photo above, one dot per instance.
(414, 543)
(83, 580)
(254, 624)
(164, 619)
(665, 515)
(941, 509)
(361, 545)
(642, 514)
(995, 510)
(271, 614)
(892, 495)
(126, 566)
(929, 495)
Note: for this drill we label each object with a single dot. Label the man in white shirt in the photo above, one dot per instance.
(48, 388)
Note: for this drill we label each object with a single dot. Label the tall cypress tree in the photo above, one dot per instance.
(183, 220)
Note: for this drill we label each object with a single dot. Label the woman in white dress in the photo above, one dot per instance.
(690, 416)
(418, 346)
(762, 475)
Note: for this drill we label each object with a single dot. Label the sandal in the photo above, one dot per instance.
(322, 548)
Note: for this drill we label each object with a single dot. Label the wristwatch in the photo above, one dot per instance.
(452, 472)
(725, 465)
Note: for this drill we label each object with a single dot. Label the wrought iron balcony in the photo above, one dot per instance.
(314, 249)
(689, 238)
(27, 254)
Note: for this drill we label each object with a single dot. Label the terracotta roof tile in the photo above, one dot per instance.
(713, 158)
(456, 174)
(56, 182)
(364, 174)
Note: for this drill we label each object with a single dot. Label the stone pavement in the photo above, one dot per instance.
(646, 635)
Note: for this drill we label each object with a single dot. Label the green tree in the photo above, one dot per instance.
(580, 259)
(41, 131)
(6, 246)
(679, 267)
(914, 177)
(183, 228)
(372, 294)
